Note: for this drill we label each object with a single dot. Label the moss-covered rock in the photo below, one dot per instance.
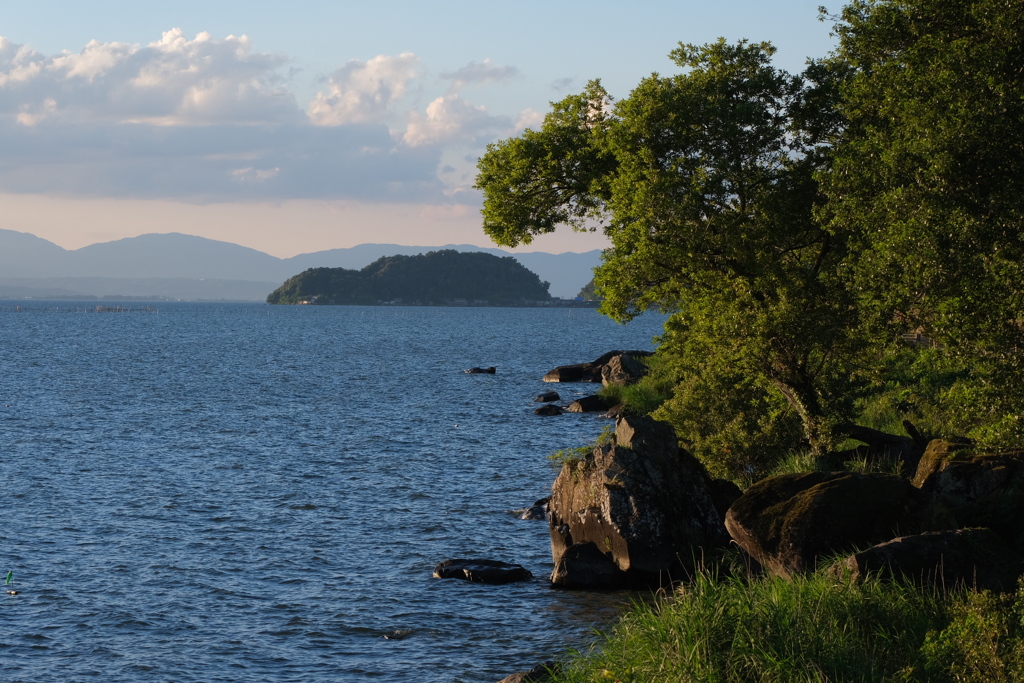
(790, 522)
(979, 489)
(961, 558)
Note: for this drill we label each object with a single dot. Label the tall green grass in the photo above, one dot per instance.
(647, 394)
(810, 629)
(813, 628)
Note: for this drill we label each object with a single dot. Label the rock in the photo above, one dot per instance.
(602, 360)
(635, 512)
(538, 674)
(963, 558)
(549, 409)
(581, 372)
(621, 370)
(584, 565)
(788, 522)
(979, 490)
(481, 371)
(591, 372)
(588, 404)
(547, 397)
(539, 510)
(482, 571)
(616, 411)
(949, 469)
(723, 494)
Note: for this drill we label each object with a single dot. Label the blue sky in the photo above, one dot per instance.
(300, 126)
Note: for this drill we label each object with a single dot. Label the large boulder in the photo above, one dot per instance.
(580, 372)
(621, 370)
(788, 522)
(588, 404)
(950, 469)
(635, 512)
(592, 372)
(962, 558)
(482, 571)
(979, 489)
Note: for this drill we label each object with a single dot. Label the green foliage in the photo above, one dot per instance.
(915, 384)
(570, 456)
(435, 277)
(649, 392)
(797, 226)
(705, 183)
(808, 629)
(589, 292)
(550, 177)
(927, 186)
(983, 643)
(573, 457)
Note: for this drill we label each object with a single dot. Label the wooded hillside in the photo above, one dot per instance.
(438, 278)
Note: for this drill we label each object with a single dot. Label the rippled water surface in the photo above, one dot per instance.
(225, 492)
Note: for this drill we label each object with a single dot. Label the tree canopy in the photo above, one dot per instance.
(928, 184)
(796, 226)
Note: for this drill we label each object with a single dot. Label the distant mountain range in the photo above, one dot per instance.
(177, 266)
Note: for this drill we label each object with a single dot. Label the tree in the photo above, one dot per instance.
(705, 182)
(927, 185)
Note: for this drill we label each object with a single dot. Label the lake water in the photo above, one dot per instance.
(227, 492)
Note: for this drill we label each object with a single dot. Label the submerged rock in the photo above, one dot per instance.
(482, 571)
(580, 372)
(547, 397)
(549, 409)
(537, 511)
(481, 371)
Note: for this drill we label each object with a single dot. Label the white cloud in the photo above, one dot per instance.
(364, 91)
(173, 81)
(213, 119)
(447, 119)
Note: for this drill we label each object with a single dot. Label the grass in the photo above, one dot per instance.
(646, 395)
(816, 628)
(813, 628)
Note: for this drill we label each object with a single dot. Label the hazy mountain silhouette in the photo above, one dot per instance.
(174, 265)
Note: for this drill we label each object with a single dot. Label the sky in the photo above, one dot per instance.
(293, 127)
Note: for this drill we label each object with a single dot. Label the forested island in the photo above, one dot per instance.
(437, 278)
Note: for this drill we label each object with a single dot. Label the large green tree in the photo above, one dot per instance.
(706, 183)
(927, 186)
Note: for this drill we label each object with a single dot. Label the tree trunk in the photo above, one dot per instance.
(802, 398)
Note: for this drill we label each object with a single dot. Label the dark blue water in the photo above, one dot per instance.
(208, 492)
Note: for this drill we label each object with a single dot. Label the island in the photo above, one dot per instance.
(437, 278)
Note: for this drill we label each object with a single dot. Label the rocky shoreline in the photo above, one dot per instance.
(638, 511)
